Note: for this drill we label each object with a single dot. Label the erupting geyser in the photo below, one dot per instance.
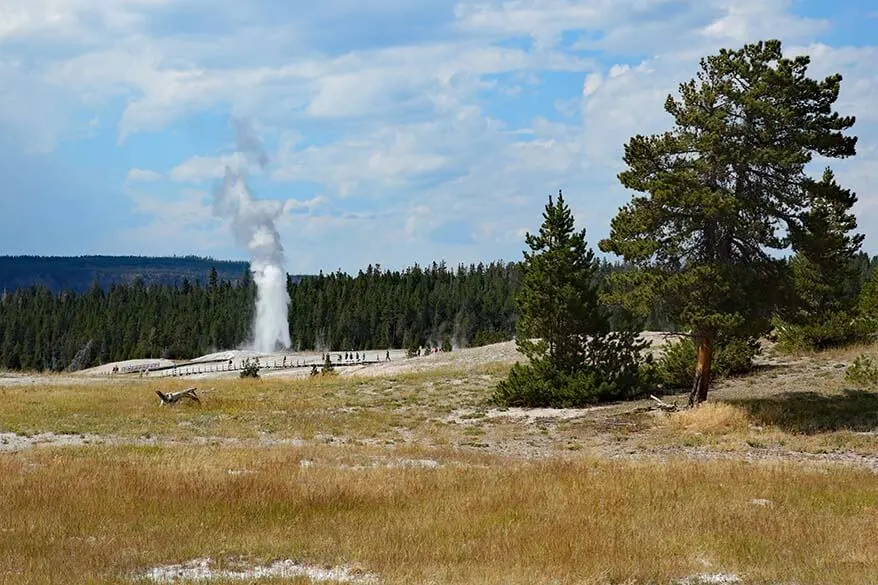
(252, 223)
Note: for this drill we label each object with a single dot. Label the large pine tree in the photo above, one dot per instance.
(723, 189)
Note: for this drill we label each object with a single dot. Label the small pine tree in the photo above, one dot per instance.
(824, 272)
(558, 302)
(562, 327)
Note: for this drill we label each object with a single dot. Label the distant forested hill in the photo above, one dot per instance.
(78, 273)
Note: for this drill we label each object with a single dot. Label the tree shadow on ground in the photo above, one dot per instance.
(812, 412)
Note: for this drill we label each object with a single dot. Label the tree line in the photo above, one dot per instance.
(470, 305)
(375, 309)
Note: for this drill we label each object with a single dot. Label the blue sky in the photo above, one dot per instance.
(398, 131)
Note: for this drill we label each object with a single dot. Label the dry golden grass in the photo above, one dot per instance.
(711, 418)
(845, 354)
(99, 515)
(841, 423)
(516, 500)
(805, 406)
(379, 408)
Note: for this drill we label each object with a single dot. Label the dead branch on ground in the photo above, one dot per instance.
(174, 397)
(662, 405)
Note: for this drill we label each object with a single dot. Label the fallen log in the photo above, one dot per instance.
(174, 397)
(662, 405)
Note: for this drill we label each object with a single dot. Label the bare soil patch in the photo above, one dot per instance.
(205, 569)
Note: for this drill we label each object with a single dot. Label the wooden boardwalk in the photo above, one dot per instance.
(220, 366)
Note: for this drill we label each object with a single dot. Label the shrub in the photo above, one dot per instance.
(864, 370)
(735, 358)
(538, 385)
(836, 329)
(446, 343)
(250, 368)
(526, 385)
(615, 369)
(676, 367)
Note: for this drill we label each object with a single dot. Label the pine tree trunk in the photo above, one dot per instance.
(702, 369)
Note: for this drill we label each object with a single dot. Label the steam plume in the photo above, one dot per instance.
(249, 143)
(252, 223)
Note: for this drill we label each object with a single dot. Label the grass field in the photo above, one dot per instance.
(416, 478)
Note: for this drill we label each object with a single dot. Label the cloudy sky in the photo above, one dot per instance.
(397, 131)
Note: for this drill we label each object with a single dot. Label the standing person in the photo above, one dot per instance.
(387, 356)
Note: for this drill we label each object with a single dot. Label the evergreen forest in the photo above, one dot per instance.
(374, 309)
(67, 330)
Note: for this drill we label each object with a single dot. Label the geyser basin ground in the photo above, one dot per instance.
(375, 360)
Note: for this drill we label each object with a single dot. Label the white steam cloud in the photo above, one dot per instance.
(252, 223)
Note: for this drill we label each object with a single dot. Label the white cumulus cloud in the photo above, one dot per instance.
(469, 117)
